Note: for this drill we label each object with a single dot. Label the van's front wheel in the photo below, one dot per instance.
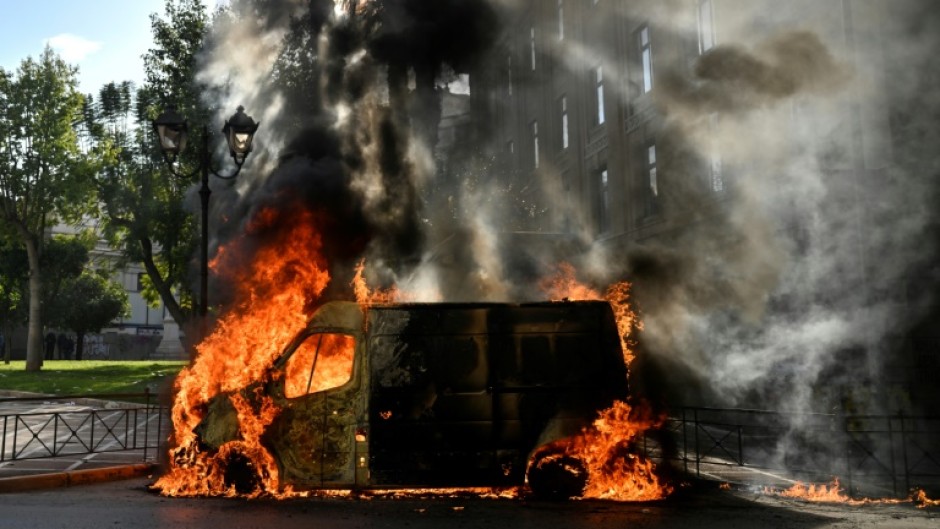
(556, 476)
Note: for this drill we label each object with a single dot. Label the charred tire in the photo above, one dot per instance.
(557, 477)
(241, 473)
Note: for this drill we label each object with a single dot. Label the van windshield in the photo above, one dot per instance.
(322, 361)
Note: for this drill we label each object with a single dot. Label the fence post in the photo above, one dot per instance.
(3, 443)
(685, 442)
(698, 455)
(55, 433)
(848, 452)
(907, 474)
(146, 422)
(159, 435)
(91, 438)
(16, 429)
(894, 472)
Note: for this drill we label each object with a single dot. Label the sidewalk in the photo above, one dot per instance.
(67, 469)
(45, 479)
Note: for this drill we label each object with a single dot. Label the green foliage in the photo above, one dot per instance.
(44, 177)
(144, 203)
(88, 302)
(14, 272)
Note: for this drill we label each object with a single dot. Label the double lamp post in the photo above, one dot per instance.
(173, 131)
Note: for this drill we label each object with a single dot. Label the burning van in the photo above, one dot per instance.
(428, 395)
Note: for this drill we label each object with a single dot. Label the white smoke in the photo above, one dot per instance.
(786, 286)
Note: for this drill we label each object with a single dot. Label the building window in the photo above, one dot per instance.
(714, 157)
(603, 201)
(561, 19)
(509, 75)
(599, 84)
(646, 57)
(650, 185)
(535, 143)
(651, 171)
(706, 27)
(511, 147)
(563, 107)
(532, 47)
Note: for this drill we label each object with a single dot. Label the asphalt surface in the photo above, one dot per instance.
(131, 503)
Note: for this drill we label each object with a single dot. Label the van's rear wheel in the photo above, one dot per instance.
(556, 476)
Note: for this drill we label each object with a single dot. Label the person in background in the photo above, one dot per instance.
(70, 347)
(50, 345)
(64, 347)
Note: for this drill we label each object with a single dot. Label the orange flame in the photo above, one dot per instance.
(614, 471)
(817, 493)
(606, 449)
(367, 296)
(919, 497)
(275, 295)
(332, 355)
(833, 493)
(565, 285)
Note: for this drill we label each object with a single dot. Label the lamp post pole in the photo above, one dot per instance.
(172, 131)
(204, 193)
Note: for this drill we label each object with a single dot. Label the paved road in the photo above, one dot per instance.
(130, 504)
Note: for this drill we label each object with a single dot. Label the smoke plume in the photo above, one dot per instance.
(784, 279)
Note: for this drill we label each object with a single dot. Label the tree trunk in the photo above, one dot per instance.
(165, 290)
(34, 343)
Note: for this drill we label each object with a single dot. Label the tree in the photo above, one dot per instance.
(89, 302)
(63, 259)
(145, 204)
(43, 177)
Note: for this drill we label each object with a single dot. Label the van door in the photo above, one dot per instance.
(314, 437)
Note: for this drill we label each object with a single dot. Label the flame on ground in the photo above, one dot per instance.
(833, 493)
(823, 493)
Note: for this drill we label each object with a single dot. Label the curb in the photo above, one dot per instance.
(75, 477)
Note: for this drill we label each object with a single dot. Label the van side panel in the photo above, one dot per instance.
(460, 394)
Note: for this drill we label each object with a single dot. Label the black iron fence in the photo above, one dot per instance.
(54, 426)
(867, 453)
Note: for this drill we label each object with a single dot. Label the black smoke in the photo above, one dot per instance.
(359, 86)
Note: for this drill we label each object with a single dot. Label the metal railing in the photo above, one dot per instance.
(100, 423)
(865, 452)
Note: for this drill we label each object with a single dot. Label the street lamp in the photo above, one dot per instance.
(172, 131)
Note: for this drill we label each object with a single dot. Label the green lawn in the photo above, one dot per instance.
(68, 377)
